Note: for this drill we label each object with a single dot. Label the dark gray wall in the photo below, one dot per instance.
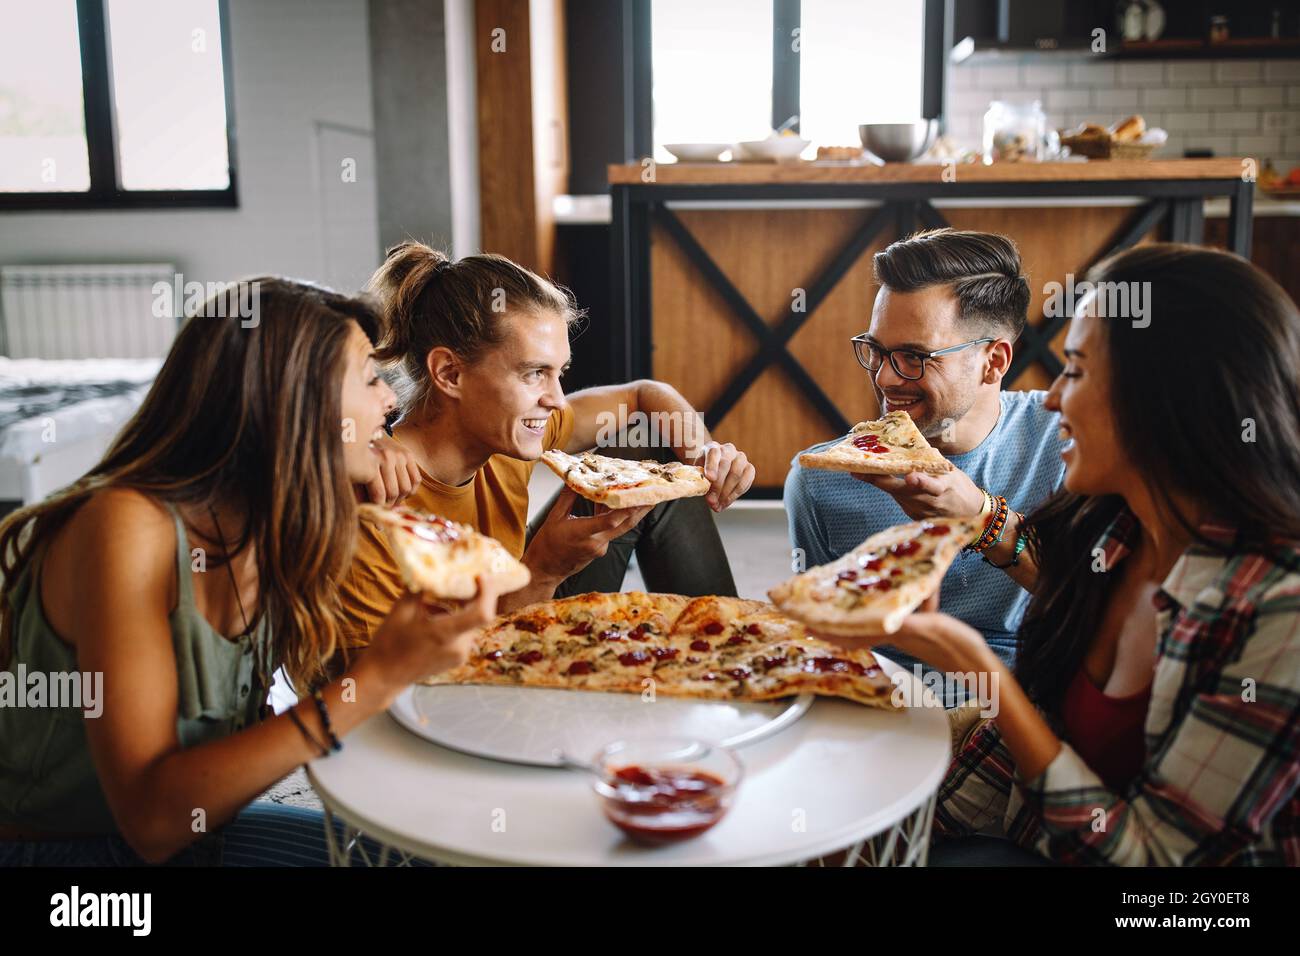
(409, 88)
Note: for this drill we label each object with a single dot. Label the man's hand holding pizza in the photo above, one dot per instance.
(565, 544)
(950, 495)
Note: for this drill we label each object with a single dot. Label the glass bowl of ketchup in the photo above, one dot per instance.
(666, 789)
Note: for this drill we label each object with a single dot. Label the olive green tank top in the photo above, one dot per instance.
(47, 778)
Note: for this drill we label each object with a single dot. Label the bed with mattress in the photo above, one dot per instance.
(58, 416)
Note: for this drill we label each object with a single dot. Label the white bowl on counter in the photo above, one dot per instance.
(697, 152)
(770, 150)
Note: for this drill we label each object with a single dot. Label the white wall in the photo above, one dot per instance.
(302, 104)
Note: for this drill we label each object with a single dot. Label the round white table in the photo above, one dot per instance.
(843, 777)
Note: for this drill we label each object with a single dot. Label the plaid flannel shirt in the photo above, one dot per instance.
(1221, 781)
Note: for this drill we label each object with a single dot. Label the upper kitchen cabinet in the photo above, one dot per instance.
(1133, 28)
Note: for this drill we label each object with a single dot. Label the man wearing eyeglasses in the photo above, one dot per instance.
(950, 306)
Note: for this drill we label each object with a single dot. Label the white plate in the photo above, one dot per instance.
(697, 152)
(529, 724)
(772, 149)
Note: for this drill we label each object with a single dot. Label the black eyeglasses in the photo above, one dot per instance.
(908, 363)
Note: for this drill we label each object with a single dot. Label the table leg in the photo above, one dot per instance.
(340, 851)
(906, 843)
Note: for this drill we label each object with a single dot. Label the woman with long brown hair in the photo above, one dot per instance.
(203, 552)
(1154, 713)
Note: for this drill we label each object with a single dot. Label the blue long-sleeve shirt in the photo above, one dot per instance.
(831, 513)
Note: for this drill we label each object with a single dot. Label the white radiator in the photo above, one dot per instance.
(85, 311)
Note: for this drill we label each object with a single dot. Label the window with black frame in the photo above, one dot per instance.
(114, 103)
(732, 70)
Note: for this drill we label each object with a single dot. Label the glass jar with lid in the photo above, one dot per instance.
(1014, 132)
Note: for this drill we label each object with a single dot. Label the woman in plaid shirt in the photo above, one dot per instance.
(1154, 714)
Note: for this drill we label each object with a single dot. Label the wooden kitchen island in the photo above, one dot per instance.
(741, 284)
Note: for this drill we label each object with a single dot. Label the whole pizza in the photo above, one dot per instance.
(718, 648)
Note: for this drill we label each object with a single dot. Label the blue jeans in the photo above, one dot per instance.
(263, 834)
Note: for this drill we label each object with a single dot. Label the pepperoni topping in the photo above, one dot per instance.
(664, 653)
(736, 639)
(770, 662)
(872, 671)
(936, 529)
(709, 676)
(753, 629)
(611, 635)
(582, 627)
(639, 633)
(871, 564)
(692, 660)
(580, 667)
(896, 572)
(529, 657)
(713, 627)
(701, 646)
(739, 673)
(904, 548)
(492, 655)
(875, 584)
(849, 575)
(833, 665)
(529, 625)
(633, 658)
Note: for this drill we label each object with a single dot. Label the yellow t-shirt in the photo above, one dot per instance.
(493, 502)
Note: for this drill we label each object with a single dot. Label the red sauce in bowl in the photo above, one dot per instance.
(664, 804)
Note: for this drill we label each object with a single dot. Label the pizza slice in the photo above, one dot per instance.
(748, 650)
(872, 588)
(619, 483)
(442, 558)
(892, 445)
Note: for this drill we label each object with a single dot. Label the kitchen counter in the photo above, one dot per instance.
(755, 174)
(594, 210)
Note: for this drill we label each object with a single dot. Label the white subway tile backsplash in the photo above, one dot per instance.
(1234, 120)
(1142, 73)
(1261, 95)
(1173, 148)
(997, 75)
(1068, 99)
(1047, 75)
(1282, 70)
(1280, 120)
(1075, 117)
(1025, 96)
(1187, 121)
(1238, 71)
(1212, 95)
(1118, 99)
(1164, 96)
(1189, 72)
(1092, 74)
(1228, 106)
(1260, 147)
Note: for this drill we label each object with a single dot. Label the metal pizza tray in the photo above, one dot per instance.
(528, 725)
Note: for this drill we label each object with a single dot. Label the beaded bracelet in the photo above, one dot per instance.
(335, 744)
(993, 530)
(1022, 541)
(311, 738)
